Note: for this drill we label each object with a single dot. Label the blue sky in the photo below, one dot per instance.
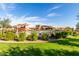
(57, 14)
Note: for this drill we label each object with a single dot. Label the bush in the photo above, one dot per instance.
(1, 36)
(69, 32)
(45, 36)
(75, 33)
(33, 36)
(64, 34)
(22, 36)
(29, 37)
(52, 35)
(60, 34)
(9, 36)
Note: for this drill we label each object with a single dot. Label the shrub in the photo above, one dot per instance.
(1, 36)
(45, 36)
(52, 35)
(29, 37)
(64, 34)
(16, 38)
(33, 36)
(60, 34)
(22, 36)
(9, 36)
(75, 33)
(69, 32)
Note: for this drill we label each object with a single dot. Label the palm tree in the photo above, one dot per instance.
(5, 23)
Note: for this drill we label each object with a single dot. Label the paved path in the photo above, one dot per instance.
(38, 41)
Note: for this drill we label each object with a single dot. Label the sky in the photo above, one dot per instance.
(55, 14)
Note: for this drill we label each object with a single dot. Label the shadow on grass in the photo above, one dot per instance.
(73, 39)
(68, 42)
(31, 51)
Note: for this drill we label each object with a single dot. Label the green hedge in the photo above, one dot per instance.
(33, 36)
(9, 36)
(22, 36)
(60, 34)
(45, 36)
(1, 36)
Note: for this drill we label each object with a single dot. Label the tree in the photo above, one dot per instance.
(5, 23)
(77, 26)
(69, 30)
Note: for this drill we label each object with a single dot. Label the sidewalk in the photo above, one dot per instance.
(38, 41)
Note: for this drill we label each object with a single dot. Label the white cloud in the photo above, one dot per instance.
(34, 19)
(54, 8)
(31, 18)
(25, 19)
(7, 7)
(53, 14)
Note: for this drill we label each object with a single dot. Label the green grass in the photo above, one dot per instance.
(69, 46)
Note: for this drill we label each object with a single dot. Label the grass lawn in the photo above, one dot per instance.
(62, 47)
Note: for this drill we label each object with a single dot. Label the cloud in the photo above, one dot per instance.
(30, 19)
(7, 7)
(53, 14)
(25, 19)
(54, 8)
(35, 19)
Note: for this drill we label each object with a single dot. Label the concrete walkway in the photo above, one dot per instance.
(38, 41)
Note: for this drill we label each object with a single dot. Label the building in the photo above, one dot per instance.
(21, 27)
(44, 27)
